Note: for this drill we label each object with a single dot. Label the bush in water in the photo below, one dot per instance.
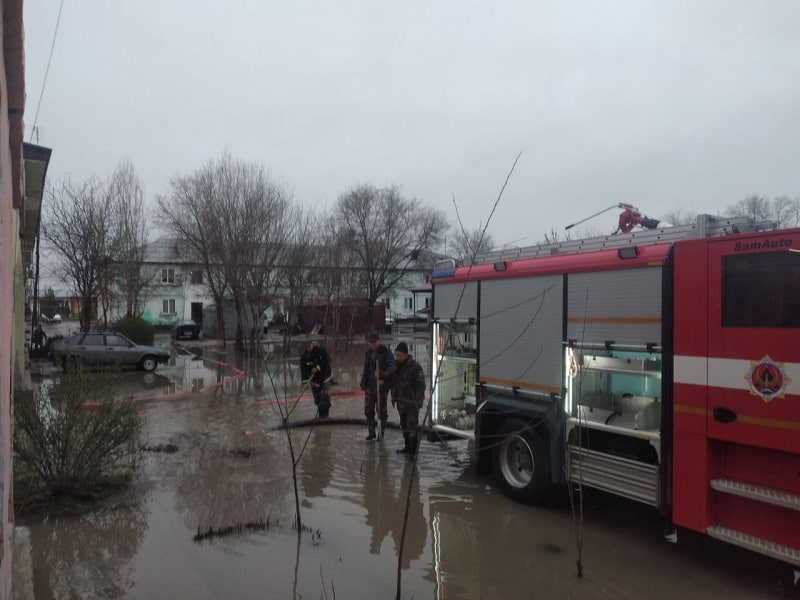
(73, 438)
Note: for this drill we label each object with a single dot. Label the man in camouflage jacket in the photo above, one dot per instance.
(407, 382)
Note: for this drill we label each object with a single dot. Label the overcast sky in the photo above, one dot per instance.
(672, 105)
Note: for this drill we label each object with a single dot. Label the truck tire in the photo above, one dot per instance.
(522, 461)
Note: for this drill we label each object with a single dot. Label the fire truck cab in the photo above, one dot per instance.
(662, 366)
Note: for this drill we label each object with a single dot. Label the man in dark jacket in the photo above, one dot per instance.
(407, 382)
(377, 359)
(315, 370)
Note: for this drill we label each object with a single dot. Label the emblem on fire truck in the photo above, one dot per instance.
(767, 379)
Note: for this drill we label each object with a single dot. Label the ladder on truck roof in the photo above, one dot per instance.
(704, 226)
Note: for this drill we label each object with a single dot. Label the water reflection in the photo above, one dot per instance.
(317, 463)
(379, 497)
(87, 557)
(413, 540)
(385, 499)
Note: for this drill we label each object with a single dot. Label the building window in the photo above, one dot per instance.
(196, 277)
(408, 303)
(168, 306)
(167, 275)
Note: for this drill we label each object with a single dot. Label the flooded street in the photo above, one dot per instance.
(216, 460)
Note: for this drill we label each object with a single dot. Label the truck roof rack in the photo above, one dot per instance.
(704, 226)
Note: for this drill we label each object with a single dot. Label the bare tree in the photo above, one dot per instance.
(298, 271)
(127, 204)
(472, 243)
(680, 217)
(188, 213)
(554, 236)
(781, 210)
(236, 221)
(387, 233)
(267, 218)
(756, 207)
(786, 211)
(340, 280)
(78, 227)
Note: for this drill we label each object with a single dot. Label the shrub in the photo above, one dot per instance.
(137, 329)
(73, 437)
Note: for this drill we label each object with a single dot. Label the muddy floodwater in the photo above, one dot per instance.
(215, 460)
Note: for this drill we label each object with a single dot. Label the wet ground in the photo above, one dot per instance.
(223, 464)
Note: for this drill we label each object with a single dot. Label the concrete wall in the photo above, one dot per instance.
(12, 302)
(9, 249)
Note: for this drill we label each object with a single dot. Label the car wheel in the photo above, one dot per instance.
(522, 461)
(148, 363)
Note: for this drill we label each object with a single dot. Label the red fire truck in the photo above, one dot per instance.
(660, 365)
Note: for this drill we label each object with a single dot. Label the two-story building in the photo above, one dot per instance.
(175, 288)
(174, 284)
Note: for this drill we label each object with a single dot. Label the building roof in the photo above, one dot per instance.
(168, 250)
(36, 159)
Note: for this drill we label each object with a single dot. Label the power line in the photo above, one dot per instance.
(47, 70)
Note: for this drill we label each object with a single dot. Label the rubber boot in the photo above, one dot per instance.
(383, 429)
(412, 446)
(405, 448)
(371, 427)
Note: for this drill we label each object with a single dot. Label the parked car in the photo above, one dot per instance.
(107, 348)
(185, 328)
(56, 318)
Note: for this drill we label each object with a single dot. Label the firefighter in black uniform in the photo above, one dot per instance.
(315, 370)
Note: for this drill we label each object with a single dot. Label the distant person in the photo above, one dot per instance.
(315, 371)
(377, 358)
(407, 382)
(39, 338)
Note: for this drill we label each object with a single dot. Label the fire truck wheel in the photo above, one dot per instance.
(522, 461)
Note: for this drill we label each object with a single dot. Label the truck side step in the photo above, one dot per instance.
(621, 476)
(750, 542)
(756, 492)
